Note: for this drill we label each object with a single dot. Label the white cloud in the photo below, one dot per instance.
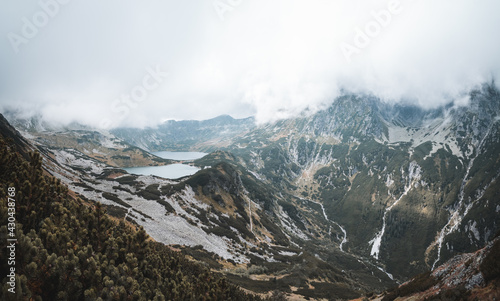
(268, 59)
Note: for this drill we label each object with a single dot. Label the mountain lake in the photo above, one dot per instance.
(172, 171)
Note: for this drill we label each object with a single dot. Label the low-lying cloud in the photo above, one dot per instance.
(88, 60)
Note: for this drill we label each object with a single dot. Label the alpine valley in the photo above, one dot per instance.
(342, 203)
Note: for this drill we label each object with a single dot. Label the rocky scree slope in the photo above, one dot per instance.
(468, 276)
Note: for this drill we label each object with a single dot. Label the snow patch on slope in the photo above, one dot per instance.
(69, 157)
(414, 173)
(437, 131)
(289, 225)
(110, 141)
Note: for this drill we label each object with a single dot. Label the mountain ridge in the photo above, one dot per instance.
(338, 156)
(186, 134)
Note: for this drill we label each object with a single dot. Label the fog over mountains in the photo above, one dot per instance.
(140, 69)
(361, 194)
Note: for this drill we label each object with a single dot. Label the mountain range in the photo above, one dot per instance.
(352, 199)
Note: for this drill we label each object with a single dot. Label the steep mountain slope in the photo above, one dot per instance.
(21, 145)
(62, 247)
(409, 187)
(187, 134)
(468, 276)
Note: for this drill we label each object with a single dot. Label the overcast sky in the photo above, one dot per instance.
(136, 63)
